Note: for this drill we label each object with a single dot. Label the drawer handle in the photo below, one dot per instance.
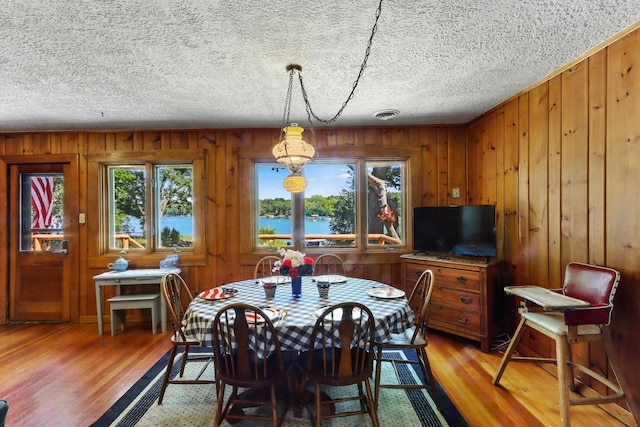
(461, 320)
(466, 300)
(419, 273)
(462, 279)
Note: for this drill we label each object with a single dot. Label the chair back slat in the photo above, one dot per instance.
(247, 354)
(342, 342)
(329, 264)
(244, 349)
(420, 298)
(264, 267)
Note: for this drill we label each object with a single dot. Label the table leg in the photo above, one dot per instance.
(99, 307)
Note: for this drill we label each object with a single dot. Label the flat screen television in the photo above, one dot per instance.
(467, 230)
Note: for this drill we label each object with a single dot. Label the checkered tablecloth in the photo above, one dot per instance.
(294, 331)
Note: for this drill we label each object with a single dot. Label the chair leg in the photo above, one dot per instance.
(507, 355)
(167, 373)
(570, 377)
(378, 373)
(217, 418)
(185, 356)
(318, 420)
(371, 404)
(274, 406)
(361, 397)
(563, 385)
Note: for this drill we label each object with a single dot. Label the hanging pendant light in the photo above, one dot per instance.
(292, 151)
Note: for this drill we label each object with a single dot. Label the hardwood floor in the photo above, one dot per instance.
(69, 375)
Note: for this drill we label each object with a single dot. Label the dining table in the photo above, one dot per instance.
(294, 318)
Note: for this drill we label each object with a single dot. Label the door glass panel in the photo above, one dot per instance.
(41, 214)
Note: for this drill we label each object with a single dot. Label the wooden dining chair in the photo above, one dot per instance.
(412, 339)
(178, 296)
(329, 264)
(340, 353)
(264, 267)
(597, 286)
(247, 356)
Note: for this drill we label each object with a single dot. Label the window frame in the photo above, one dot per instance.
(344, 154)
(152, 254)
(297, 201)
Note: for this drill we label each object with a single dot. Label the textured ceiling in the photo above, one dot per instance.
(159, 64)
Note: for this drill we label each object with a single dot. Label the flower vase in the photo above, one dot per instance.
(296, 287)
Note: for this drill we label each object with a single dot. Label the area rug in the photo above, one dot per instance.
(193, 405)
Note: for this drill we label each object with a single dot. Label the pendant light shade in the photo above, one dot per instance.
(295, 183)
(293, 152)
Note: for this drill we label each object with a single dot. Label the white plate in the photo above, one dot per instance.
(279, 280)
(218, 293)
(330, 278)
(386, 292)
(271, 313)
(337, 313)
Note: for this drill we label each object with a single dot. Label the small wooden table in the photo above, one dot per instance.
(546, 298)
(131, 277)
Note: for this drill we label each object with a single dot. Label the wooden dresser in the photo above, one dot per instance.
(466, 298)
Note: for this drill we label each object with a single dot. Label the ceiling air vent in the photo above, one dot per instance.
(385, 114)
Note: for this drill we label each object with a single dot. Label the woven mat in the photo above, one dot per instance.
(194, 405)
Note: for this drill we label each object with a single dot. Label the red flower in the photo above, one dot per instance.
(386, 215)
(286, 266)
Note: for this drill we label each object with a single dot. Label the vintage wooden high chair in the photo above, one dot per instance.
(579, 312)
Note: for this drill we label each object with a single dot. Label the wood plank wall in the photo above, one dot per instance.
(562, 164)
(438, 160)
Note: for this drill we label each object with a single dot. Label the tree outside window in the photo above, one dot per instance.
(384, 201)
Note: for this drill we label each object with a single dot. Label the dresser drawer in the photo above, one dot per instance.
(457, 278)
(447, 316)
(456, 298)
(413, 271)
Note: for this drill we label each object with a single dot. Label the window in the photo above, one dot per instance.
(385, 201)
(151, 207)
(327, 210)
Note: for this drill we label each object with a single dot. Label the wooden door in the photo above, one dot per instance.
(40, 232)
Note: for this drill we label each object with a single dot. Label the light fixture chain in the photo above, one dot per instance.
(310, 111)
(287, 102)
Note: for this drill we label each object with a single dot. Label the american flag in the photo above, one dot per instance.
(41, 201)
